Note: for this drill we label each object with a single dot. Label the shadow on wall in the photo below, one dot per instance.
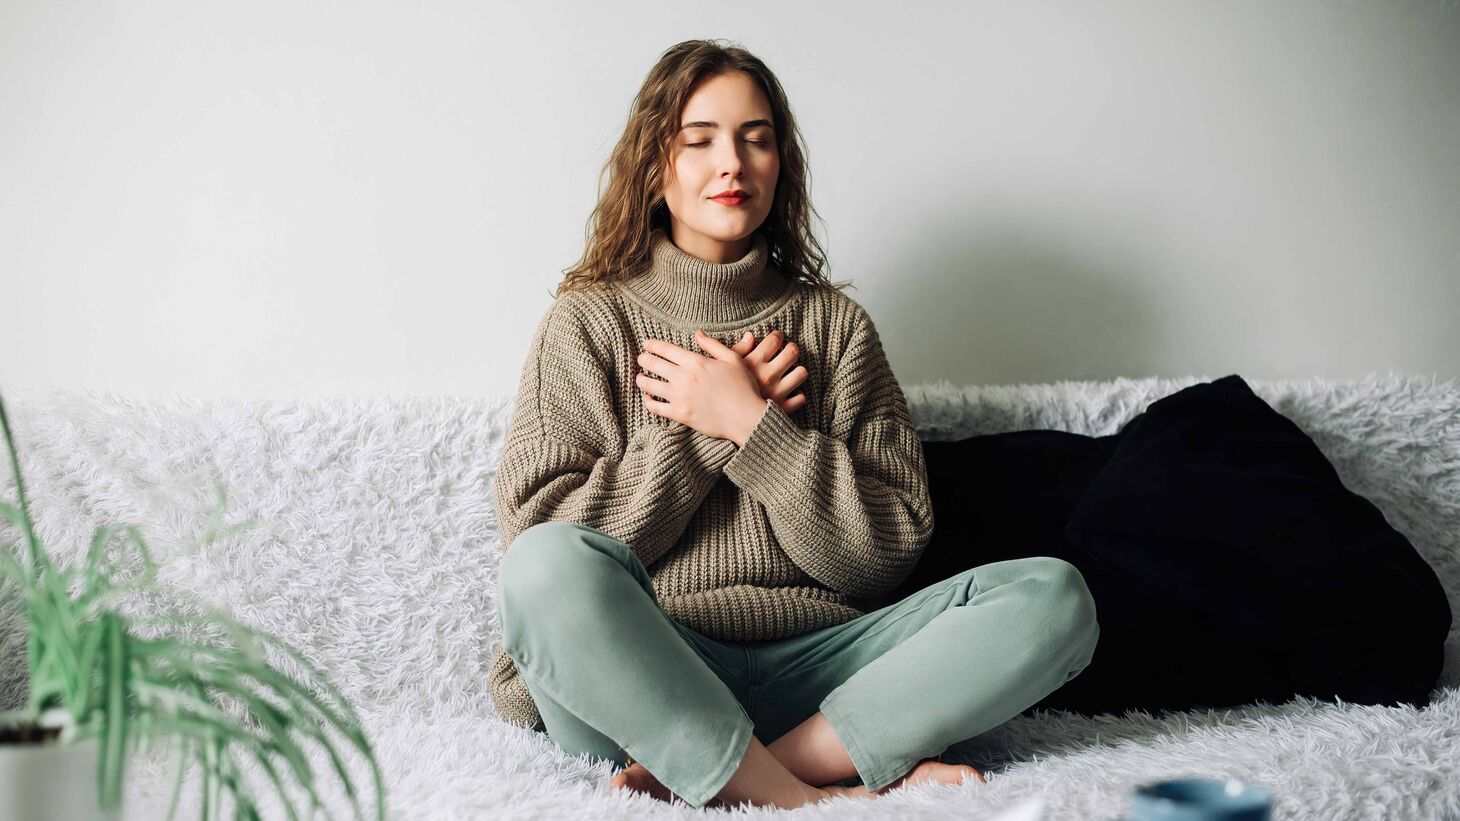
(995, 302)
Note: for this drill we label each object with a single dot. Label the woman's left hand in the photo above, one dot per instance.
(717, 395)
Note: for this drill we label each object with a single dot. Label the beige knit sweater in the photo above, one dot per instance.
(820, 513)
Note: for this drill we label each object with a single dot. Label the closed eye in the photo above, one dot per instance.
(752, 142)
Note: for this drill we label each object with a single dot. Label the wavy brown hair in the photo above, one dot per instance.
(632, 204)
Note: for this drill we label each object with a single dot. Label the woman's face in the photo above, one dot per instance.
(726, 142)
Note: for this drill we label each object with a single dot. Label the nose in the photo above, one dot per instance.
(730, 161)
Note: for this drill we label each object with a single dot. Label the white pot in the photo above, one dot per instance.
(51, 782)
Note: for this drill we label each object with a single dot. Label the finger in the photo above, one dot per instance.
(659, 387)
(714, 347)
(746, 343)
(656, 364)
(783, 360)
(768, 346)
(793, 404)
(669, 351)
(790, 382)
(649, 384)
(657, 407)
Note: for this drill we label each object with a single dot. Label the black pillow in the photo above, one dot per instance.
(1002, 496)
(1216, 508)
(1227, 561)
(1010, 495)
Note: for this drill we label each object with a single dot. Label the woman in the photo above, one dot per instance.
(694, 531)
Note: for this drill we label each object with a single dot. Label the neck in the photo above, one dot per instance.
(693, 291)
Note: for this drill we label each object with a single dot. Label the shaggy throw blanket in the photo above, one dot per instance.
(380, 556)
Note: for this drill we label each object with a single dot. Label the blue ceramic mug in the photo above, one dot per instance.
(1200, 799)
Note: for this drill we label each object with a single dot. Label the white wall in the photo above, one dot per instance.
(286, 199)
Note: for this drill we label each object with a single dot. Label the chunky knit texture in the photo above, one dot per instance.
(821, 513)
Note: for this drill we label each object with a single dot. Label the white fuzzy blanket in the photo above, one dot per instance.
(381, 561)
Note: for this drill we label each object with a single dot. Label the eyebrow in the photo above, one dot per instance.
(709, 124)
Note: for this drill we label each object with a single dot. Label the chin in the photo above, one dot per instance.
(732, 227)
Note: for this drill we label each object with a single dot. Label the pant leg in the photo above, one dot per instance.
(610, 670)
(956, 659)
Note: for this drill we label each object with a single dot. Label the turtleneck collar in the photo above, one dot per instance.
(686, 290)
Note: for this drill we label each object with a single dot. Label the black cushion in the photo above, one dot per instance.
(1002, 496)
(1228, 562)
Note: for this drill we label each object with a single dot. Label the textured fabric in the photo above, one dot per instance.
(821, 512)
(1217, 513)
(380, 558)
(1309, 592)
(981, 646)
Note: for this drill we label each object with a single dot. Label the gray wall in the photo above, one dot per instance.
(276, 199)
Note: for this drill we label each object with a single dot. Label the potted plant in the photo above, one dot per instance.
(99, 687)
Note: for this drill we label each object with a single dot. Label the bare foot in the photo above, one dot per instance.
(924, 772)
(637, 778)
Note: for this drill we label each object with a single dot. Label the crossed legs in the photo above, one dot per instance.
(611, 672)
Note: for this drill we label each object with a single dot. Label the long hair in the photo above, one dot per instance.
(632, 204)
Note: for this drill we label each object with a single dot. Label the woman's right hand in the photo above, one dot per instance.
(773, 371)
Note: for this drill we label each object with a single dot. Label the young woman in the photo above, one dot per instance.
(694, 530)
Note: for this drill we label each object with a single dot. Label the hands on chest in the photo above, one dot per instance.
(723, 394)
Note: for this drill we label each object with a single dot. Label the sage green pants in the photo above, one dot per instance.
(611, 673)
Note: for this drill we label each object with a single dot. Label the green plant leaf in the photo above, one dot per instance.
(315, 673)
(13, 573)
(36, 560)
(262, 755)
(209, 732)
(181, 750)
(85, 663)
(8, 511)
(277, 743)
(80, 696)
(97, 551)
(134, 538)
(296, 696)
(175, 651)
(113, 760)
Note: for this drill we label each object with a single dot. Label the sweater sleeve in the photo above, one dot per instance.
(852, 509)
(567, 458)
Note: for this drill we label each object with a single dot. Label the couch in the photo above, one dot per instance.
(378, 553)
